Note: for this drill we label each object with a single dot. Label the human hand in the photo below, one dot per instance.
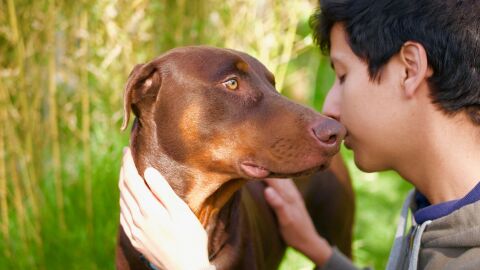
(158, 223)
(296, 226)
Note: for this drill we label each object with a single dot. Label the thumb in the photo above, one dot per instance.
(279, 205)
(162, 190)
(273, 198)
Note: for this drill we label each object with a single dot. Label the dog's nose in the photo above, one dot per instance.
(329, 132)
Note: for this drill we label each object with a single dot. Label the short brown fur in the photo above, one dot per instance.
(200, 135)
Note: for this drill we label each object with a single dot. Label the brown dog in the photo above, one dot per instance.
(209, 119)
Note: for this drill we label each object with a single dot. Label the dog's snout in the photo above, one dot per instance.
(329, 132)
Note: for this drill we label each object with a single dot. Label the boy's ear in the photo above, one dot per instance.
(414, 58)
(144, 81)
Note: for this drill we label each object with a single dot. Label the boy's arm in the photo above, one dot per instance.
(337, 261)
(297, 227)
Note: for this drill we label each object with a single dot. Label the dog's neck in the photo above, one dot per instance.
(206, 193)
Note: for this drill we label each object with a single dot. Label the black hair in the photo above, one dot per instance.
(449, 30)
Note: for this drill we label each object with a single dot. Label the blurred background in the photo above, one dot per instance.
(63, 66)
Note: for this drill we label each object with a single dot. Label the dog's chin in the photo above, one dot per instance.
(252, 170)
(299, 173)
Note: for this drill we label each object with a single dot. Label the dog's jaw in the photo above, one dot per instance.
(204, 193)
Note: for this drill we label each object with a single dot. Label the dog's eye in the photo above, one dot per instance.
(231, 84)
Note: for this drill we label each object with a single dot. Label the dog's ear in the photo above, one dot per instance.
(143, 82)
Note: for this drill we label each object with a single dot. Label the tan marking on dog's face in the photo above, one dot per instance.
(242, 66)
(220, 152)
(189, 122)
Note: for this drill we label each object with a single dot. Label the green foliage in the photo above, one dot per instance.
(63, 65)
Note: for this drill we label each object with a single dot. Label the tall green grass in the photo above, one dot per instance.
(63, 65)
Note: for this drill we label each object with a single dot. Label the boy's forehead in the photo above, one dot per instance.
(339, 47)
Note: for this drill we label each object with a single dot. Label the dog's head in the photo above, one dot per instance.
(217, 110)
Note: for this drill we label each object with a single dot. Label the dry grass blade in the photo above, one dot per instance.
(53, 118)
(288, 42)
(20, 210)
(85, 100)
(13, 20)
(5, 221)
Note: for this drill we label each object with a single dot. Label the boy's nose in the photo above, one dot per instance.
(331, 106)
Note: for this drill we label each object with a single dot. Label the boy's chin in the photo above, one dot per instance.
(368, 165)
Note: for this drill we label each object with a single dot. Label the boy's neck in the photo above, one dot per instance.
(448, 167)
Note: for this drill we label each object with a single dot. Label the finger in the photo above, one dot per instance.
(129, 232)
(124, 161)
(130, 171)
(146, 205)
(121, 180)
(273, 198)
(278, 204)
(124, 210)
(126, 222)
(123, 193)
(136, 185)
(128, 203)
(163, 191)
(125, 227)
(285, 188)
(279, 182)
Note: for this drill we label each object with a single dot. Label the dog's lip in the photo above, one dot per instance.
(251, 169)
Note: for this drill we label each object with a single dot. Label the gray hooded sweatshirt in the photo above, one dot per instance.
(441, 236)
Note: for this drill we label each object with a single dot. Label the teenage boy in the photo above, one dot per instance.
(407, 89)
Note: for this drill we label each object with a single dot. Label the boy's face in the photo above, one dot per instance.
(374, 113)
